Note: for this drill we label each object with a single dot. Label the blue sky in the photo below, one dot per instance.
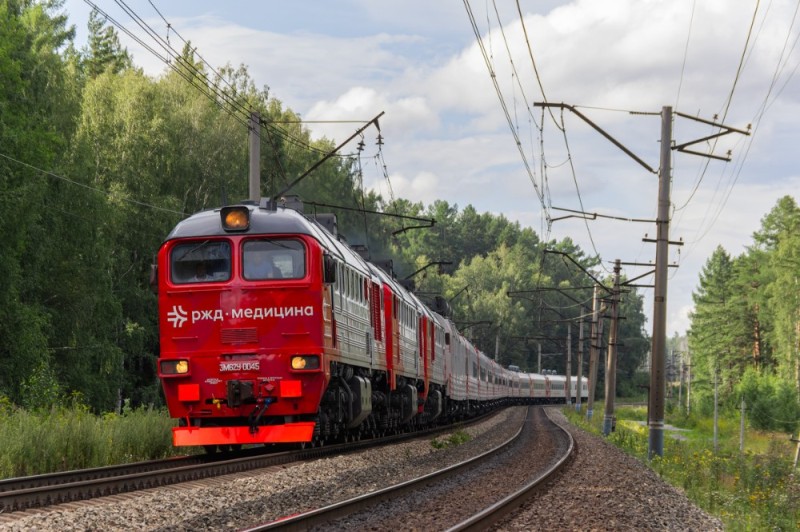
(446, 136)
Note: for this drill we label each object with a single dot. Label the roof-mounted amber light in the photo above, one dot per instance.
(235, 218)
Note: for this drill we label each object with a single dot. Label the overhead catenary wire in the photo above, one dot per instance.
(726, 106)
(770, 96)
(533, 61)
(504, 106)
(227, 102)
(577, 188)
(89, 187)
(204, 89)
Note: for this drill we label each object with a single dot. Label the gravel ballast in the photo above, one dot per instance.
(603, 489)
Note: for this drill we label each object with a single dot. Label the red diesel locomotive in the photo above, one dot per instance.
(273, 330)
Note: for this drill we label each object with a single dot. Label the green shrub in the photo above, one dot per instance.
(772, 403)
(748, 491)
(65, 438)
(457, 438)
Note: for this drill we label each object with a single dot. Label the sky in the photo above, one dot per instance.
(458, 82)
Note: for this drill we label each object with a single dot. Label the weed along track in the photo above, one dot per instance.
(288, 481)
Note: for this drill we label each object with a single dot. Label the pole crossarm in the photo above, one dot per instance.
(670, 242)
(434, 263)
(594, 215)
(647, 264)
(724, 130)
(600, 130)
(328, 156)
(430, 221)
(468, 324)
(549, 289)
(458, 294)
(518, 293)
(576, 263)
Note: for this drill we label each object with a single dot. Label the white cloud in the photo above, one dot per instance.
(446, 136)
(422, 187)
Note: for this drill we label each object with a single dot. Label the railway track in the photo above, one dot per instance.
(459, 497)
(39, 491)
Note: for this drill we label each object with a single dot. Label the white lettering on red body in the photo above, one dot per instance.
(177, 316)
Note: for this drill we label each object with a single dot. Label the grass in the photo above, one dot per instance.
(66, 438)
(751, 490)
(458, 437)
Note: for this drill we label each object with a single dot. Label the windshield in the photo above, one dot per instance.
(273, 259)
(201, 262)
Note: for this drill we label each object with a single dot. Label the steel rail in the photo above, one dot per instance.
(17, 494)
(494, 513)
(320, 516)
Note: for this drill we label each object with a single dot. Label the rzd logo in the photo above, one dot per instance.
(177, 316)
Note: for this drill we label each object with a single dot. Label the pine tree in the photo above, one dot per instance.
(105, 52)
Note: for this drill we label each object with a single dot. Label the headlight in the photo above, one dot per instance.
(174, 367)
(305, 362)
(235, 218)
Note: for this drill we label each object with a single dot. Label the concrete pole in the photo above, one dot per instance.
(655, 407)
(578, 391)
(611, 358)
(255, 157)
(594, 346)
(539, 348)
(688, 382)
(568, 391)
(680, 383)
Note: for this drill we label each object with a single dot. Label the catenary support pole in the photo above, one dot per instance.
(568, 392)
(655, 408)
(680, 382)
(578, 386)
(539, 361)
(689, 384)
(594, 355)
(611, 357)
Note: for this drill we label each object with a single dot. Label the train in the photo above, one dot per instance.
(273, 330)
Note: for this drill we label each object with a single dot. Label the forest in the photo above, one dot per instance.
(745, 328)
(98, 161)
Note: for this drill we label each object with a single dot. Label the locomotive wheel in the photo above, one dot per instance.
(211, 449)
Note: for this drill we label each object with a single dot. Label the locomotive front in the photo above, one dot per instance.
(244, 325)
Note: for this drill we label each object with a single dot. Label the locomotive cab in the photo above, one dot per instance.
(243, 330)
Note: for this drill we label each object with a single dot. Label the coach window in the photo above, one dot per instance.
(201, 262)
(273, 259)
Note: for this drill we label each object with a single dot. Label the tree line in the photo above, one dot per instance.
(98, 161)
(745, 329)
